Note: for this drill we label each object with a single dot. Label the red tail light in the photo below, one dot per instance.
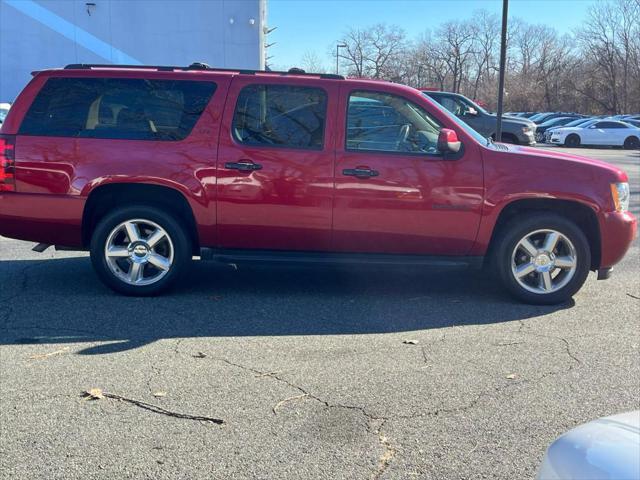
(7, 163)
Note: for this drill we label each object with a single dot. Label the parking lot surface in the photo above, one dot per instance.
(316, 373)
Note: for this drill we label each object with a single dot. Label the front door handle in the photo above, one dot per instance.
(362, 172)
(243, 166)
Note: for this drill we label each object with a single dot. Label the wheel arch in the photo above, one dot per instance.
(632, 136)
(583, 215)
(105, 198)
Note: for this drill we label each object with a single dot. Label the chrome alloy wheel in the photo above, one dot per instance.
(139, 252)
(544, 261)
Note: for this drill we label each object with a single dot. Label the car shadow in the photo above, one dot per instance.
(61, 301)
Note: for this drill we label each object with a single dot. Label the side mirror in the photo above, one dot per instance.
(448, 141)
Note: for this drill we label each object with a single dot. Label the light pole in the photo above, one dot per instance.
(338, 47)
(503, 58)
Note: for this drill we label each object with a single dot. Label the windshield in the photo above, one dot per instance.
(477, 136)
(577, 122)
(539, 116)
(588, 123)
(554, 121)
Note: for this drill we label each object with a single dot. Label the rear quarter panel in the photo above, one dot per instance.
(64, 171)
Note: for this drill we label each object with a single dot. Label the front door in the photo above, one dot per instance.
(275, 165)
(395, 192)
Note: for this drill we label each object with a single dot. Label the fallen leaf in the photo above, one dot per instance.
(93, 394)
(410, 342)
(200, 355)
(159, 394)
(511, 376)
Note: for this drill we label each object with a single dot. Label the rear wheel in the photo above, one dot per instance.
(543, 259)
(139, 250)
(632, 143)
(572, 140)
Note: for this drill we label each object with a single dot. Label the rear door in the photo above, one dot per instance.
(275, 164)
(395, 192)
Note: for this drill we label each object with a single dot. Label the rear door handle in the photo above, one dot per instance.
(244, 166)
(360, 172)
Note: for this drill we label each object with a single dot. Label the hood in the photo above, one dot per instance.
(605, 448)
(568, 129)
(506, 120)
(616, 173)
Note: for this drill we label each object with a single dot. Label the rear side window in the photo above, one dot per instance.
(280, 116)
(610, 125)
(132, 109)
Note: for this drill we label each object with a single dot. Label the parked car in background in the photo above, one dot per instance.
(575, 123)
(600, 133)
(604, 449)
(520, 114)
(514, 130)
(554, 122)
(635, 123)
(544, 117)
(146, 167)
(4, 110)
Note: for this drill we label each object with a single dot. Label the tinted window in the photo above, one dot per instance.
(610, 125)
(382, 122)
(133, 109)
(280, 115)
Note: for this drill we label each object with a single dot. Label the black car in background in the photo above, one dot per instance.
(554, 122)
(540, 118)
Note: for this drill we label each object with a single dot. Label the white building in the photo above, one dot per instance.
(38, 34)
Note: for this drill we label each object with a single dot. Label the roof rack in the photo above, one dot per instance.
(200, 66)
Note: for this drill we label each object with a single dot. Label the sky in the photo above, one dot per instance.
(315, 25)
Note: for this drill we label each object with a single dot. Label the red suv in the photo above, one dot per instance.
(147, 167)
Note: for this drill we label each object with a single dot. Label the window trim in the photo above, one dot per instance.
(239, 144)
(77, 137)
(438, 156)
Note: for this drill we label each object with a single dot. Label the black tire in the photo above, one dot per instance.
(515, 230)
(632, 143)
(572, 141)
(177, 240)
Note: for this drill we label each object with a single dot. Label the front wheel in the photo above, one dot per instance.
(572, 141)
(139, 250)
(543, 259)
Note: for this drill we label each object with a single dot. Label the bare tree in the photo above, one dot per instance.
(594, 70)
(311, 62)
(455, 45)
(368, 53)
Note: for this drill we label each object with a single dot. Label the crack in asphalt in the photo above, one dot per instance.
(389, 450)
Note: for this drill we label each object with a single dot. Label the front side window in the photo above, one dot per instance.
(280, 116)
(610, 125)
(388, 123)
(132, 109)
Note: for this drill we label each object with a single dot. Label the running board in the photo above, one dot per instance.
(321, 258)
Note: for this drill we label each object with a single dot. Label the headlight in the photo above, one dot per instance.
(620, 194)
(527, 129)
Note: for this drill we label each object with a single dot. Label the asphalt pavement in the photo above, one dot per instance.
(316, 373)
